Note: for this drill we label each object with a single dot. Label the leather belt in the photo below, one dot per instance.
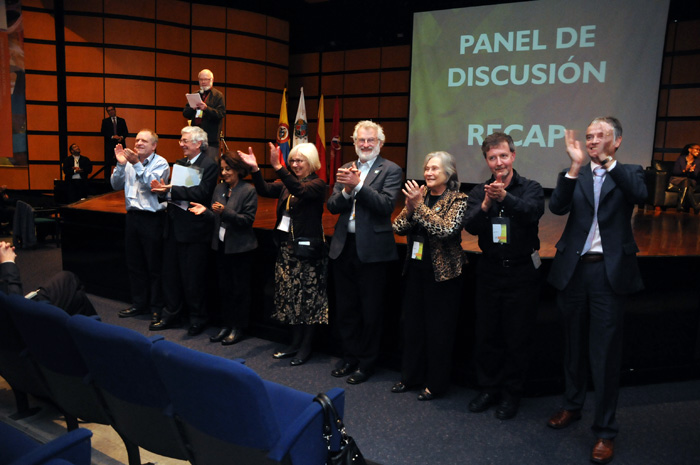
(592, 258)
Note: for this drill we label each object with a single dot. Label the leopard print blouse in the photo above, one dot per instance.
(444, 225)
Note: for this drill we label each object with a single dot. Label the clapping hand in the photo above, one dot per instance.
(249, 159)
(348, 177)
(160, 187)
(414, 195)
(197, 208)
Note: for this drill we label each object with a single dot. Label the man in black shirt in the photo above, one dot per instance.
(504, 212)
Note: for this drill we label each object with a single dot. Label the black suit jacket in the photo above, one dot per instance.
(10, 282)
(374, 205)
(211, 117)
(238, 217)
(185, 225)
(84, 163)
(622, 189)
(107, 131)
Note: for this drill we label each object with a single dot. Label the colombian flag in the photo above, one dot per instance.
(283, 130)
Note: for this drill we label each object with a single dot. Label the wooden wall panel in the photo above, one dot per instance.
(245, 100)
(365, 83)
(277, 53)
(687, 37)
(333, 84)
(333, 62)
(396, 131)
(172, 38)
(91, 146)
(252, 48)
(368, 58)
(239, 126)
(686, 69)
(395, 154)
(15, 178)
(84, 118)
(278, 28)
(174, 12)
(84, 5)
(309, 83)
(245, 73)
(273, 103)
(168, 122)
(245, 21)
(39, 57)
(130, 62)
(84, 89)
(171, 95)
(42, 117)
(679, 133)
(170, 149)
(208, 16)
(137, 118)
(276, 78)
(80, 28)
(140, 8)
(41, 177)
(393, 107)
(41, 87)
(126, 32)
(684, 102)
(173, 67)
(396, 57)
(395, 81)
(84, 59)
(209, 42)
(304, 63)
(128, 92)
(38, 25)
(361, 108)
(43, 147)
(218, 67)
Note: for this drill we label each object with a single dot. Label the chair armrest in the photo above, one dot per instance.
(73, 446)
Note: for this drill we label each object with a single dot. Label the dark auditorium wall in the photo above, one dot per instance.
(143, 56)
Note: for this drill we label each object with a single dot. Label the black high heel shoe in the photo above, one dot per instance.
(222, 334)
(236, 335)
(285, 353)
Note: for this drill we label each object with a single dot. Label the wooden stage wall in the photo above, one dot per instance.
(662, 328)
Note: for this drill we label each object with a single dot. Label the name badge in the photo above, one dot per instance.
(284, 223)
(417, 249)
(500, 230)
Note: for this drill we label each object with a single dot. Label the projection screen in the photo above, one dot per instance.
(532, 70)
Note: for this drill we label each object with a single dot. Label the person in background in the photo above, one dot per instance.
(76, 168)
(208, 114)
(145, 222)
(432, 220)
(300, 299)
(684, 179)
(594, 267)
(504, 212)
(233, 208)
(114, 132)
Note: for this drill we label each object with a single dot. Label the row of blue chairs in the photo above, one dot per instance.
(156, 394)
(18, 448)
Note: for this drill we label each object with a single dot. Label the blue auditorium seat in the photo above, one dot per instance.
(119, 361)
(17, 448)
(228, 414)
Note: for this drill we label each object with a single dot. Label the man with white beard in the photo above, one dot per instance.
(363, 243)
(209, 113)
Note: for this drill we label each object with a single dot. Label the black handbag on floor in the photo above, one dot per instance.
(349, 453)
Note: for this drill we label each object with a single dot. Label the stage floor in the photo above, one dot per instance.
(658, 233)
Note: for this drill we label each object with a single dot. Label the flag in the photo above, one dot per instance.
(321, 142)
(335, 144)
(301, 124)
(283, 130)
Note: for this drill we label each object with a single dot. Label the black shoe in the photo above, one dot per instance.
(236, 335)
(508, 408)
(164, 323)
(482, 402)
(155, 317)
(343, 370)
(221, 336)
(129, 312)
(196, 329)
(285, 353)
(399, 387)
(300, 361)
(426, 395)
(358, 377)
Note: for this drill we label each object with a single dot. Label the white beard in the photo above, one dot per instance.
(365, 158)
(203, 89)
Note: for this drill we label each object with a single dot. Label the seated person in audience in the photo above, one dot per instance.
(685, 176)
(64, 290)
(432, 220)
(7, 208)
(76, 168)
(233, 208)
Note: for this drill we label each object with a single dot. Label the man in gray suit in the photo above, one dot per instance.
(363, 243)
(595, 266)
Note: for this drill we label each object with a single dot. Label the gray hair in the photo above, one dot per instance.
(367, 124)
(448, 165)
(198, 135)
(308, 151)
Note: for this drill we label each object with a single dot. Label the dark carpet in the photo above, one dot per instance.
(660, 424)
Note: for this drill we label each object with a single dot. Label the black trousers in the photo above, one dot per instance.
(143, 240)
(592, 314)
(429, 323)
(359, 291)
(185, 279)
(233, 274)
(506, 311)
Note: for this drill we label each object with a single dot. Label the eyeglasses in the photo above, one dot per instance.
(370, 141)
(298, 161)
(185, 141)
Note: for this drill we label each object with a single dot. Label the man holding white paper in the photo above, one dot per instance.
(206, 109)
(187, 237)
(504, 212)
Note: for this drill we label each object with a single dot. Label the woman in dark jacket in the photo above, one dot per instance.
(300, 283)
(233, 207)
(684, 178)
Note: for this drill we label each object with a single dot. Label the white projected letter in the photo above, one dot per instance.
(536, 41)
(510, 129)
(535, 136)
(464, 43)
(475, 134)
(555, 132)
(587, 35)
(450, 77)
(571, 35)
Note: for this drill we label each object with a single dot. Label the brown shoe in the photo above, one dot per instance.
(603, 451)
(564, 418)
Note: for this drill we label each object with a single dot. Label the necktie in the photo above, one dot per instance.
(114, 123)
(188, 163)
(598, 177)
